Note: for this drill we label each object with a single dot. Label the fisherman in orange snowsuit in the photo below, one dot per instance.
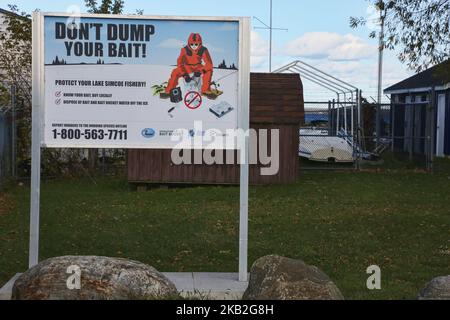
(194, 58)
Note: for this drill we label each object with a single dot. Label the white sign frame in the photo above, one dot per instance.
(38, 104)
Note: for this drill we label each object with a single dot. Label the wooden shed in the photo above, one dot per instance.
(276, 102)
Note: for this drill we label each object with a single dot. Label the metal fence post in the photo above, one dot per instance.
(393, 126)
(360, 116)
(13, 132)
(428, 134)
(432, 103)
(377, 124)
(329, 118)
(411, 128)
(338, 117)
(334, 112)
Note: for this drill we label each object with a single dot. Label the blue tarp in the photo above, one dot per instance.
(310, 117)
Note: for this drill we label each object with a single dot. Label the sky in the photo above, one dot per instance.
(318, 34)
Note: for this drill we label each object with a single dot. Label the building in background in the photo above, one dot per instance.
(415, 109)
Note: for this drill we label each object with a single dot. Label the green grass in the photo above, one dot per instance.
(341, 222)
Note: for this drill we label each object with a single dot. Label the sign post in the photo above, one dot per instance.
(36, 139)
(109, 81)
(244, 178)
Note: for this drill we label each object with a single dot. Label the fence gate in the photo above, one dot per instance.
(400, 134)
(396, 135)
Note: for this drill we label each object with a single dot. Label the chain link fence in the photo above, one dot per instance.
(15, 145)
(400, 135)
(328, 136)
(5, 149)
(7, 137)
(395, 136)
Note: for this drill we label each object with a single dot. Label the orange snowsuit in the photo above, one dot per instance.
(193, 61)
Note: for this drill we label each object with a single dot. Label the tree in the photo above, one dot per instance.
(15, 71)
(16, 59)
(15, 53)
(106, 7)
(418, 28)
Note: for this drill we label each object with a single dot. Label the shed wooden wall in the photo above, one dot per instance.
(276, 102)
(276, 98)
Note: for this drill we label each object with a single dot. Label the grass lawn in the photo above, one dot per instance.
(340, 222)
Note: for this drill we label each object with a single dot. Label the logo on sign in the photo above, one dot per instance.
(148, 133)
(199, 133)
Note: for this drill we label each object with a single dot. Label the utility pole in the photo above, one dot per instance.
(270, 28)
(380, 57)
(380, 73)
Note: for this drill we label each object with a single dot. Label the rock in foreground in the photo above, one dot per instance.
(101, 278)
(437, 289)
(279, 278)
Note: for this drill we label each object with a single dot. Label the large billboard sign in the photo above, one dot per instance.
(109, 81)
(140, 82)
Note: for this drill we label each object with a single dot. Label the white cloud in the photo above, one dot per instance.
(394, 71)
(257, 62)
(259, 46)
(259, 50)
(172, 43)
(330, 45)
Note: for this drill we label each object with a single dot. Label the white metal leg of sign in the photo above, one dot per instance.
(243, 225)
(36, 143)
(245, 124)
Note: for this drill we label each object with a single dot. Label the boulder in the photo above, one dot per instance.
(279, 278)
(101, 278)
(437, 289)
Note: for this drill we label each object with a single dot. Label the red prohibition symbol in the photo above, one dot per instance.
(193, 100)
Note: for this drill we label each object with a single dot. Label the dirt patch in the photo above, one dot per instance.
(5, 204)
